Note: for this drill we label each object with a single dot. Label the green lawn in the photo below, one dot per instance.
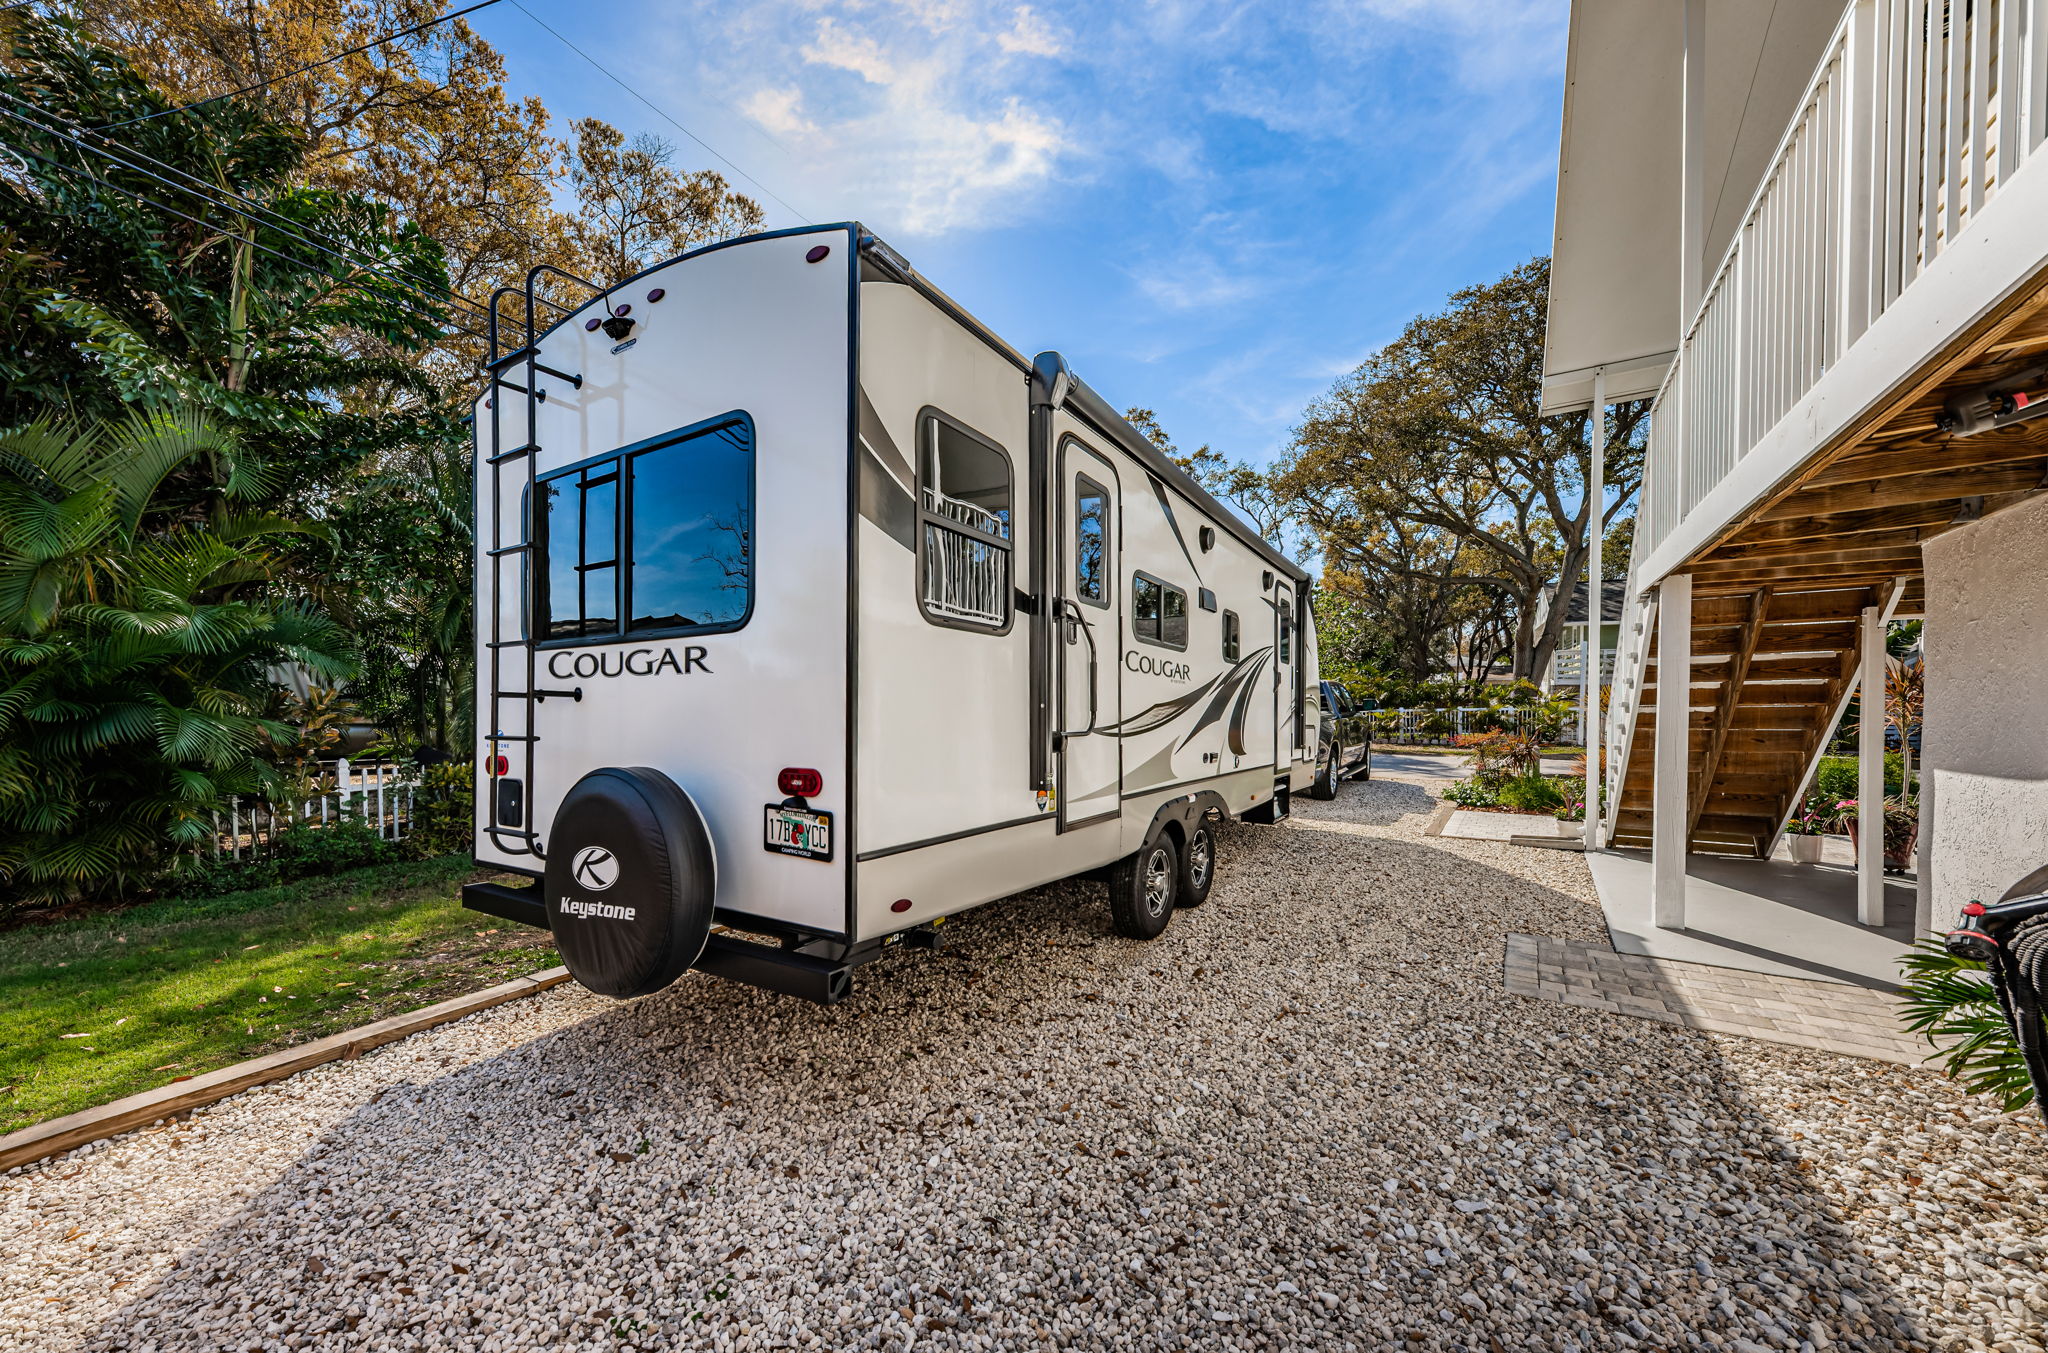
(111, 1004)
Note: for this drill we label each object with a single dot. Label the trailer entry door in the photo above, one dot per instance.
(1088, 637)
(1285, 645)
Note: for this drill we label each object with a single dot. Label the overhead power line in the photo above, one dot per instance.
(218, 195)
(80, 170)
(310, 65)
(663, 114)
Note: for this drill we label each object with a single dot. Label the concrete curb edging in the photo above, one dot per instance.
(106, 1120)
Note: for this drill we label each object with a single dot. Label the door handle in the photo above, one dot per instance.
(1071, 614)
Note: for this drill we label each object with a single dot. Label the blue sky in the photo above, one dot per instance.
(1214, 210)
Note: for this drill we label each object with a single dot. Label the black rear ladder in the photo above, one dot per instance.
(523, 840)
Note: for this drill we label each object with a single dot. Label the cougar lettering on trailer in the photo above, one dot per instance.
(808, 605)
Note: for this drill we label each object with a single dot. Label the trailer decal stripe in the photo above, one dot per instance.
(884, 491)
(876, 436)
(1232, 680)
(1159, 492)
(883, 501)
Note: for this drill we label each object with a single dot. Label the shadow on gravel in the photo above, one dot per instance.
(1306, 1116)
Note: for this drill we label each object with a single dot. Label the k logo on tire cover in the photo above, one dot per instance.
(594, 868)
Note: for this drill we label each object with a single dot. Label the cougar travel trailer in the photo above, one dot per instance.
(809, 608)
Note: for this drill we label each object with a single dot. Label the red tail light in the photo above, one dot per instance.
(799, 783)
(500, 766)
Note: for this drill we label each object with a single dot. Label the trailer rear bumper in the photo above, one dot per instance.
(521, 904)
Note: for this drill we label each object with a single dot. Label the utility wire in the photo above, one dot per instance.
(210, 193)
(310, 65)
(417, 309)
(662, 113)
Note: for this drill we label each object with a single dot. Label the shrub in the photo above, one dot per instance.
(1471, 794)
(298, 852)
(444, 810)
(1951, 998)
(1836, 778)
(1532, 794)
(1502, 755)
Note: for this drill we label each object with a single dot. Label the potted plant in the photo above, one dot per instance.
(1805, 835)
(1901, 829)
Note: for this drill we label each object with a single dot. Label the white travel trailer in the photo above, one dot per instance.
(810, 608)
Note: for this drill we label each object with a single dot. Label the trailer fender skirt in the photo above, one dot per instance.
(631, 881)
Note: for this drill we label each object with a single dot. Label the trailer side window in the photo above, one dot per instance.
(1286, 637)
(964, 540)
(580, 511)
(1233, 639)
(1159, 611)
(1091, 541)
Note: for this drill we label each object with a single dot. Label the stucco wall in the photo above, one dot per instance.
(1985, 737)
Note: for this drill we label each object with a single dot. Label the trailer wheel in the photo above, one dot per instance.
(1324, 786)
(1142, 887)
(1197, 864)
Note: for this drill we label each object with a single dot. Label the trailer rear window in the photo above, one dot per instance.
(1159, 612)
(682, 506)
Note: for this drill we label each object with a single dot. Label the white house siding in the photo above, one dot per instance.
(1986, 732)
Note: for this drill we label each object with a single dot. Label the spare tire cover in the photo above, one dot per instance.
(630, 881)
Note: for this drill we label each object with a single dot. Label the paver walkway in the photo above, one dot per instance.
(1831, 1016)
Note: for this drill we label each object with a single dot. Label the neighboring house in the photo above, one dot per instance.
(1812, 233)
(1567, 672)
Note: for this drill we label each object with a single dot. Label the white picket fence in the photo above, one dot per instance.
(1394, 726)
(379, 794)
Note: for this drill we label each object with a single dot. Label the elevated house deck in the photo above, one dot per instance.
(1814, 239)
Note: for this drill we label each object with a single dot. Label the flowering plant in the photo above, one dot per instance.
(1812, 822)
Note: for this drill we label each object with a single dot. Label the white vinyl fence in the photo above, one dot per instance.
(377, 793)
(1425, 727)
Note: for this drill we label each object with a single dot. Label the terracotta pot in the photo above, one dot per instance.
(1899, 858)
(1806, 849)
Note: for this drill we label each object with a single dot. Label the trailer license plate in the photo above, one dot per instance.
(798, 831)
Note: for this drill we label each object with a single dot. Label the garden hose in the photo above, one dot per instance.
(2011, 940)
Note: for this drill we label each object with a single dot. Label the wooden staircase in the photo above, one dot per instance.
(1771, 668)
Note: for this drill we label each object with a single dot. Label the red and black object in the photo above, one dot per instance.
(2010, 938)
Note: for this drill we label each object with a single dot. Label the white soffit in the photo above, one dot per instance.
(1615, 251)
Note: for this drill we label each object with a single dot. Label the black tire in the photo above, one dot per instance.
(1324, 786)
(630, 881)
(1197, 864)
(1142, 887)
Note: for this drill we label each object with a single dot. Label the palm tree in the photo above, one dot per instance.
(136, 644)
(1905, 697)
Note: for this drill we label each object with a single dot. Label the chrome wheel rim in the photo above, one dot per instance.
(1198, 861)
(1158, 881)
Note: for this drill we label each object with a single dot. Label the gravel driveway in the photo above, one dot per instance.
(1307, 1118)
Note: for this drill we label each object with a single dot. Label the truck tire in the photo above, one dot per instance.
(1197, 864)
(1324, 786)
(1142, 887)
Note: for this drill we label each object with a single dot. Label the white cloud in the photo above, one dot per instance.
(913, 115)
(1030, 35)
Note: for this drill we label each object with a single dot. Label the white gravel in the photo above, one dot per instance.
(1306, 1117)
